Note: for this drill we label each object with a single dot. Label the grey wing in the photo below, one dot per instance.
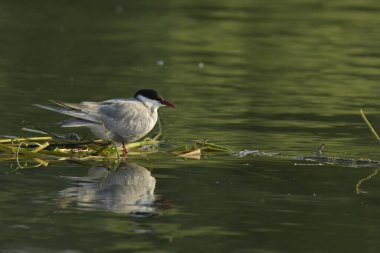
(128, 119)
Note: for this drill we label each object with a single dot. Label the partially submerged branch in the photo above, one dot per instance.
(358, 187)
(373, 131)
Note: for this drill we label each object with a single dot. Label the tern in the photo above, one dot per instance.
(118, 120)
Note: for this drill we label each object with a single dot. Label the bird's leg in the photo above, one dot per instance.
(125, 151)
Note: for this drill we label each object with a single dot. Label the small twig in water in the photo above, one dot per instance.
(373, 131)
(319, 150)
(117, 151)
(361, 181)
(41, 147)
(17, 156)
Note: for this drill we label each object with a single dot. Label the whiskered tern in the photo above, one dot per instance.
(117, 120)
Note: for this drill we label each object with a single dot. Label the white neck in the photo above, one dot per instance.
(150, 103)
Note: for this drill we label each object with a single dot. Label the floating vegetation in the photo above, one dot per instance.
(43, 150)
(245, 152)
(199, 148)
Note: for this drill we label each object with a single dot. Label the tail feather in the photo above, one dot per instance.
(75, 122)
(71, 112)
(67, 105)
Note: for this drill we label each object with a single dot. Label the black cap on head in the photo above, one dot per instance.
(154, 95)
(149, 93)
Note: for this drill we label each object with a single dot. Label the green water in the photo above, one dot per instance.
(277, 76)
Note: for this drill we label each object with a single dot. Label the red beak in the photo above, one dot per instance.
(167, 103)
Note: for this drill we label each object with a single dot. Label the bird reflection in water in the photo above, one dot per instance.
(127, 189)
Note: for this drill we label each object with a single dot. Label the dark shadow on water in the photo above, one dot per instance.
(128, 189)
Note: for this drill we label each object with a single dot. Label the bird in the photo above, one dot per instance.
(119, 120)
(128, 188)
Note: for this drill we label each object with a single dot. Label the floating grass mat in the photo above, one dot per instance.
(44, 150)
